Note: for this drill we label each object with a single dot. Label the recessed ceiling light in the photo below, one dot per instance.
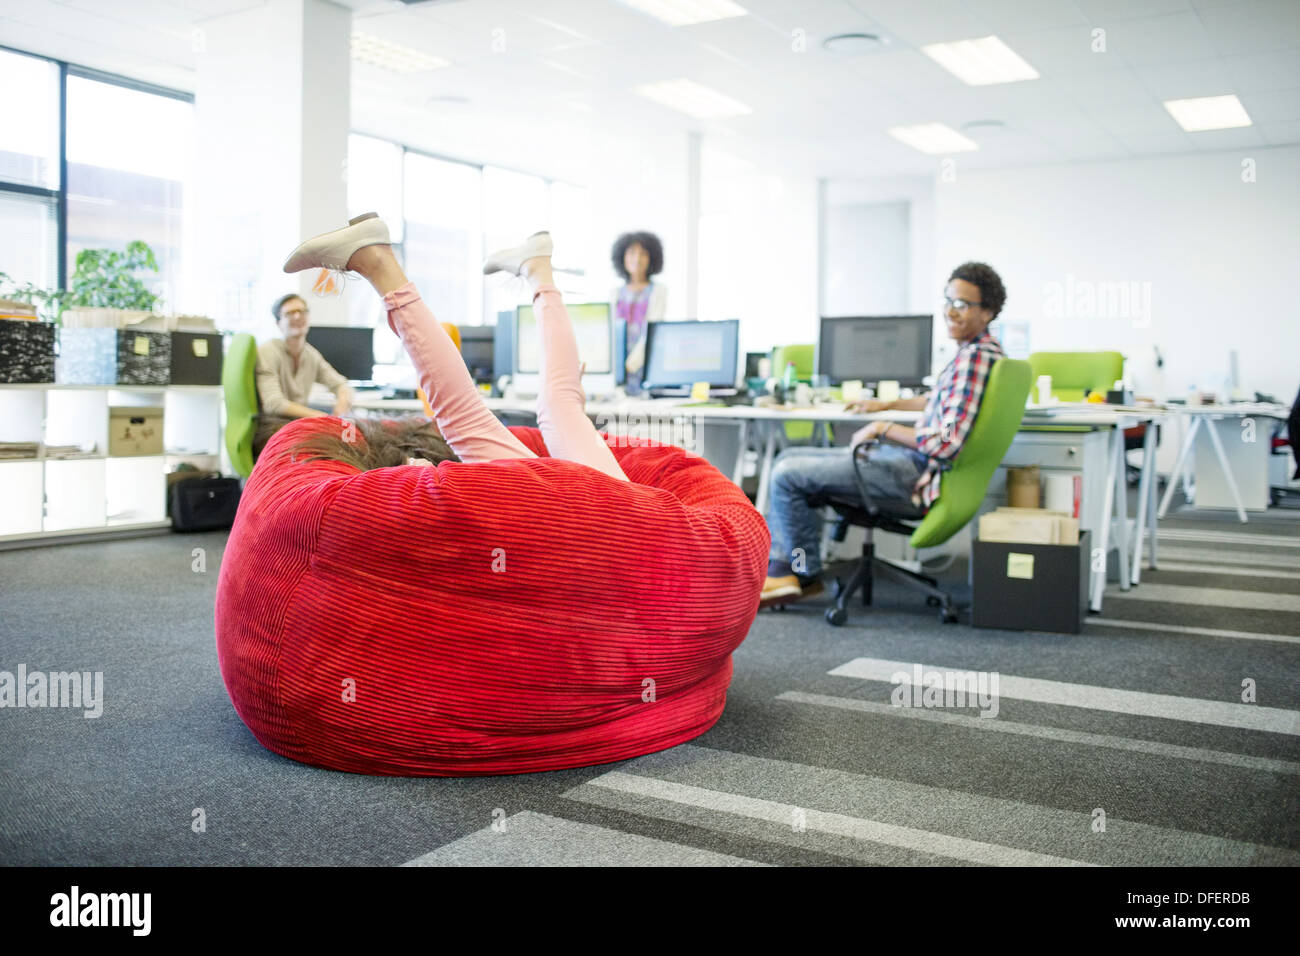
(693, 98)
(678, 13)
(854, 44)
(980, 62)
(393, 56)
(1208, 112)
(933, 138)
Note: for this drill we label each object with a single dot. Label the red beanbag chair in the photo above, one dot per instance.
(485, 618)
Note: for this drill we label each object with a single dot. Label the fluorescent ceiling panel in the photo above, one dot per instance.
(981, 62)
(933, 138)
(393, 56)
(693, 98)
(679, 13)
(1208, 112)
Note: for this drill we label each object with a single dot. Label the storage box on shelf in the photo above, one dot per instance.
(26, 351)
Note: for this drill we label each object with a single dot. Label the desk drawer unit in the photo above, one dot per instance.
(1062, 453)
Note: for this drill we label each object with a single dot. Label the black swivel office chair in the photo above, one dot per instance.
(899, 517)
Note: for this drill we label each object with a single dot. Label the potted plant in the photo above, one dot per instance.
(102, 279)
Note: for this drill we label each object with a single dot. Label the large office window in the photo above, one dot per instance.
(444, 236)
(29, 170)
(130, 157)
(444, 216)
(127, 151)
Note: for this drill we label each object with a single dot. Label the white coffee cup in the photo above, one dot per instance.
(1044, 390)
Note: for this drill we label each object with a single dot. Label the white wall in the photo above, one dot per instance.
(866, 259)
(758, 252)
(1211, 255)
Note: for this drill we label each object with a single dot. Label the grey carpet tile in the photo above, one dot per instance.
(873, 785)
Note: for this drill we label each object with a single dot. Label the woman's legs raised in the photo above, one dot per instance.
(468, 426)
(565, 428)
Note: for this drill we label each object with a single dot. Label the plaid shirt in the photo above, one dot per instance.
(950, 411)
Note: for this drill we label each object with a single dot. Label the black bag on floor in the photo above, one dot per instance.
(203, 504)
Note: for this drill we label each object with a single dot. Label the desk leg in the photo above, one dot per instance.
(1227, 469)
(1177, 473)
(1121, 509)
(1103, 542)
(738, 475)
(1146, 500)
(765, 471)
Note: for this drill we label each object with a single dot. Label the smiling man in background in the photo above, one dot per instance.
(906, 467)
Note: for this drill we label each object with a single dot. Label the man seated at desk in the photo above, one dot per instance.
(907, 464)
(287, 368)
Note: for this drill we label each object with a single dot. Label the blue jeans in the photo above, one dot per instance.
(798, 473)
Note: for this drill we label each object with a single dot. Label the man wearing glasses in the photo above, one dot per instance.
(287, 367)
(908, 462)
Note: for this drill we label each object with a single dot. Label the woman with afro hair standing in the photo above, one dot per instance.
(637, 258)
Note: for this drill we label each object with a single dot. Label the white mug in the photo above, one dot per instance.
(1044, 390)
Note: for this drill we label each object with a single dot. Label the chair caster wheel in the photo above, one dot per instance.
(947, 616)
(836, 616)
(932, 601)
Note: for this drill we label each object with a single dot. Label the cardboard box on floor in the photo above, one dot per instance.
(1028, 526)
(1031, 587)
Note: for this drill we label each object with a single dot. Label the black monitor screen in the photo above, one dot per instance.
(350, 350)
(876, 348)
(683, 353)
(479, 353)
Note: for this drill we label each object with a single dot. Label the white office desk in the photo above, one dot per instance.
(1246, 466)
(1098, 456)
(1106, 421)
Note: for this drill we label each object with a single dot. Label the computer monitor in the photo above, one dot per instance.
(478, 348)
(593, 327)
(350, 349)
(876, 348)
(679, 354)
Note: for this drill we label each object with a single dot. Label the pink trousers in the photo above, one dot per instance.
(467, 424)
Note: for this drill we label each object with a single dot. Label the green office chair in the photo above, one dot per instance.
(802, 356)
(1074, 374)
(962, 488)
(239, 385)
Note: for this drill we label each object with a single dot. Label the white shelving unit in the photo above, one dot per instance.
(96, 493)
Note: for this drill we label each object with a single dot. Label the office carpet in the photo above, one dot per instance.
(1167, 733)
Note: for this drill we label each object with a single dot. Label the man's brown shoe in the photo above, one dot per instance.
(786, 590)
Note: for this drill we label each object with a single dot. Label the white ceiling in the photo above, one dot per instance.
(570, 64)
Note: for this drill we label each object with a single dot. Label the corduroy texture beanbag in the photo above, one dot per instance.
(485, 618)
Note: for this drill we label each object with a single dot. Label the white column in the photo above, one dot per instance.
(692, 225)
(273, 112)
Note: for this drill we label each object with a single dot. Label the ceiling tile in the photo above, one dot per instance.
(1065, 50)
(1274, 107)
(1101, 91)
(1179, 81)
(1257, 27)
(1003, 16)
(1149, 144)
(1140, 120)
(1279, 134)
(1101, 12)
(1172, 38)
(920, 23)
(1211, 140)
(1278, 70)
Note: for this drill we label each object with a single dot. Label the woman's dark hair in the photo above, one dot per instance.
(992, 295)
(647, 241)
(378, 444)
(279, 303)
